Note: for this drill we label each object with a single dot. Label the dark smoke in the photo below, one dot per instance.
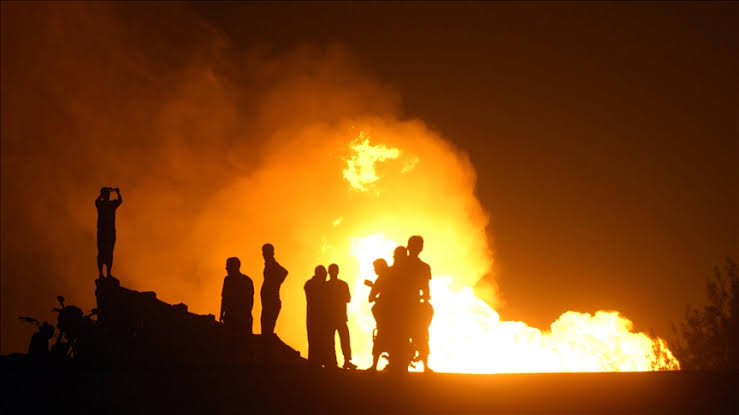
(152, 100)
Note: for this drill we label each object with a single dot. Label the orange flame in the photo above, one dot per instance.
(360, 168)
(350, 187)
(468, 336)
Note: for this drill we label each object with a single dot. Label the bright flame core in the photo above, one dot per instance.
(360, 168)
(468, 336)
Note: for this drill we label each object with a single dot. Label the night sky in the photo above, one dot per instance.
(604, 135)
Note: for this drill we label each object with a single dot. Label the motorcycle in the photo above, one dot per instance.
(392, 339)
(75, 340)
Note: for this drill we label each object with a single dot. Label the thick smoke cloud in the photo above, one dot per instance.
(216, 151)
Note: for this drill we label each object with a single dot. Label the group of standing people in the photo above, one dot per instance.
(237, 301)
(326, 303)
(401, 295)
(402, 309)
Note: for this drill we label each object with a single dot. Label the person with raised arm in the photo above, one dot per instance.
(106, 228)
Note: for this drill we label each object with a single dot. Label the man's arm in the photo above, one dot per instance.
(99, 200)
(425, 287)
(373, 293)
(250, 295)
(426, 291)
(223, 291)
(120, 199)
(282, 272)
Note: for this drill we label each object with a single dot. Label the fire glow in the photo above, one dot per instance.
(468, 336)
(349, 192)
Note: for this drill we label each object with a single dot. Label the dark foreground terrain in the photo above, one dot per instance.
(142, 355)
(239, 389)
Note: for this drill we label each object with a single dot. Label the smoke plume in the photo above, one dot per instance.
(217, 150)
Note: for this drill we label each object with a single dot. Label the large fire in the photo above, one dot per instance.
(220, 153)
(351, 191)
(468, 336)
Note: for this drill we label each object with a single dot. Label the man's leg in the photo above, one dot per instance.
(424, 352)
(346, 346)
(375, 358)
(311, 343)
(106, 243)
(428, 314)
(270, 311)
(331, 348)
(248, 330)
(101, 248)
(275, 314)
(100, 266)
(110, 258)
(264, 319)
(231, 340)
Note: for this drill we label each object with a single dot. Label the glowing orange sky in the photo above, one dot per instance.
(602, 137)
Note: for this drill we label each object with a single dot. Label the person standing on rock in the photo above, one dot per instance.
(315, 317)
(237, 301)
(274, 276)
(106, 228)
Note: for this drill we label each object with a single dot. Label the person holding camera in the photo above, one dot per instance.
(106, 227)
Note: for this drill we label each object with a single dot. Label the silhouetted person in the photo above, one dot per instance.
(337, 297)
(237, 301)
(106, 227)
(274, 276)
(400, 256)
(397, 285)
(399, 304)
(315, 317)
(39, 346)
(419, 275)
(380, 295)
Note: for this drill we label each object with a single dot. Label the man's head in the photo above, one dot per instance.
(233, 265)
(399, 255)
(321, 272)
(380, 266)
(333, 271)
(415, 245)
(105, 193)
(46, 330)
(268, 251)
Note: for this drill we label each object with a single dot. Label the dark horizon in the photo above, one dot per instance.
(603, 137)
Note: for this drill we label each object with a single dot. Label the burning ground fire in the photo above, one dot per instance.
(351, 191)
(468, 336)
